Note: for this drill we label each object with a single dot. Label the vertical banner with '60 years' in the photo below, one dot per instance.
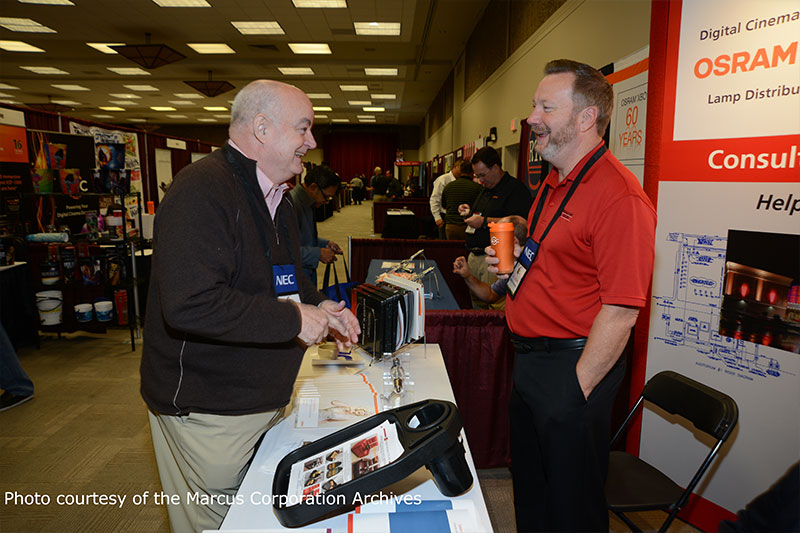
(723, 161)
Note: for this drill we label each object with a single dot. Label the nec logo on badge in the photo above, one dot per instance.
(285, 279)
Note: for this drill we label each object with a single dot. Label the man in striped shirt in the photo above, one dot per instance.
(462, 190)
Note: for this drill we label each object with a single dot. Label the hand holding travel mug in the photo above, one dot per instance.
(501, 238)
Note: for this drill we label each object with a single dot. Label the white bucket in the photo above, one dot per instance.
(50, 307)
(102, 309)
(83, 312)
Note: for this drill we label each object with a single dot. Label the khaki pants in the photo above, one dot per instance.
(478, 268)
(205, 457)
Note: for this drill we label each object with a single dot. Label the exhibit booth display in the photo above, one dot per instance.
(723, 162)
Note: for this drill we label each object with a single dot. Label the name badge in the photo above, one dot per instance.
(285, 281)
(522, 266)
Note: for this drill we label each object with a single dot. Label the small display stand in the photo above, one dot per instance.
(426, 434)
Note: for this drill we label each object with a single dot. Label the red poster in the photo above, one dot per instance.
(13, 144)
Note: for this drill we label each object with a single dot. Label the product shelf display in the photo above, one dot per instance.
(86, 279)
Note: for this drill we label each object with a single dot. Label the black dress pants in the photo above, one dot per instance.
(559, 442)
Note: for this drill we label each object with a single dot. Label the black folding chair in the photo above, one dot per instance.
(634, 485)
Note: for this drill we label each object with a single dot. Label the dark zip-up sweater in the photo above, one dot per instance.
(216, 339)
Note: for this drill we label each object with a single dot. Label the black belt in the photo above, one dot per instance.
(546, 344)
(477, 251)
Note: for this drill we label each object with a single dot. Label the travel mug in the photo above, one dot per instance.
(501, 237)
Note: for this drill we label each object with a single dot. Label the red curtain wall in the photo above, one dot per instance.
(351, 153)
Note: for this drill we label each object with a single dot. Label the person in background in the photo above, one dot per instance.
(462, 190)
(319, 186)
(357, 186)
(502, 196)
(589, 258)
(439, 184)
(15, 382)
(229, 310)
(376, 173)
(380, 185)
(394, 189)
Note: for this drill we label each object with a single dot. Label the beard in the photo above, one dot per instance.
(558, 139)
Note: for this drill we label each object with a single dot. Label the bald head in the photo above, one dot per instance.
(259, 96)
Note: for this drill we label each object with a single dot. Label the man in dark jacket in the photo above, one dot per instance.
(229, 310)
(319, 185)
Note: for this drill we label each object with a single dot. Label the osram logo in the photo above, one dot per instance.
(744, 61)
(704, 282)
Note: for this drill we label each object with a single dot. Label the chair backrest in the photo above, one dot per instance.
(708, 409)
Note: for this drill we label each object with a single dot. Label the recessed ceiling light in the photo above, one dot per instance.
(365, 116)
(46, 70)
(105, 47)
(162, 108)
(367, 120)
(310, 48)
(112, 108)
(24, 25)
(4, 95)
(137, 120)
(359, 102)
(319, 116)
(8, 87)
(380, 71)
(340, 120)
(256, 27)
(177, 116)
(69, 87)
(211, 48)
(353, 88)
(47, 2)
(383, 96)
(296, 71)
(65, 102)
(12, 102)
(188, 96)
(215, 108)
(103, 116)
(182, 3)
(374, 109)
(223, 116)
(128, 71)
(377, 28)
(318, 96)
(141, 87)
(181, 102)
(206, 120)
(122, 102)
(124, 95)
(18, 46)
(322, 108)
(320, 3)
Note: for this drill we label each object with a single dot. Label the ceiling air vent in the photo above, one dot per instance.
(266, 47)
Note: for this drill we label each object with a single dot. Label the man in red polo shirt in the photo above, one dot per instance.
(577, 288)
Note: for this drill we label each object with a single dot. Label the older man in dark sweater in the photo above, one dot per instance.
(229, 310)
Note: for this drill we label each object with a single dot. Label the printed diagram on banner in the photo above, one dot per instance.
(691, 314)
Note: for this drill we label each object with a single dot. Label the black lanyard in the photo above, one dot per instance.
(540, 204)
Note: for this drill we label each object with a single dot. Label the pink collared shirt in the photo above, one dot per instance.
(273, 194)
